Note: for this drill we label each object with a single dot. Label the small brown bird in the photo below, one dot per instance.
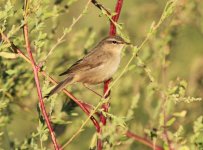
(97, 66)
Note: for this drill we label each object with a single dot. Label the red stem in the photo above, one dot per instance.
(39, 92)
(111, 32)
(105, 106)
(143, 140)
(115, 18)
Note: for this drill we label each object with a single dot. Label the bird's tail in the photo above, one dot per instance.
(60, 86)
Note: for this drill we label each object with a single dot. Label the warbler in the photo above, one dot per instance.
(97, 66)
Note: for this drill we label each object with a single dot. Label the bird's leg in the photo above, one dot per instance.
(92, 90)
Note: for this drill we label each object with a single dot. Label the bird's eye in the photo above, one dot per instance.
(114, 42)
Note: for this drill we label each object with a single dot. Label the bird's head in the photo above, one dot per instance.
(113, 43)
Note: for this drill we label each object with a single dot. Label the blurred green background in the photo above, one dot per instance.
(174, 54)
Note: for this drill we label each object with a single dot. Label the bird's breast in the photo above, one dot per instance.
(111, 67)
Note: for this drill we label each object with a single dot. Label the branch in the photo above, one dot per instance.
(143, 140)
(115, 18)
(35, 71)
(111, 32)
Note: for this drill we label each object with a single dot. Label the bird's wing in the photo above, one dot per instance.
(90, 61)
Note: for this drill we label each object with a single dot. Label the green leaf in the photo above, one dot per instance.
(4, 46)
(198, 125)
(11, 71)
(8, 55)
(170, 122)
(180, 114)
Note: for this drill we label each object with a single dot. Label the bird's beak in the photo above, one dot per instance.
(127, 43)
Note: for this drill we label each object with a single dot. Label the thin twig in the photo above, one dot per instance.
(92, 90)
(60, 40)
(165, 132)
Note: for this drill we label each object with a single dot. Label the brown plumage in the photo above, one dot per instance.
(96, 67)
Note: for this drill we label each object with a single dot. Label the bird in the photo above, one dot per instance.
(97, 66)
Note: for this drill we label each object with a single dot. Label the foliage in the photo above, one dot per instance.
(157, 92)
